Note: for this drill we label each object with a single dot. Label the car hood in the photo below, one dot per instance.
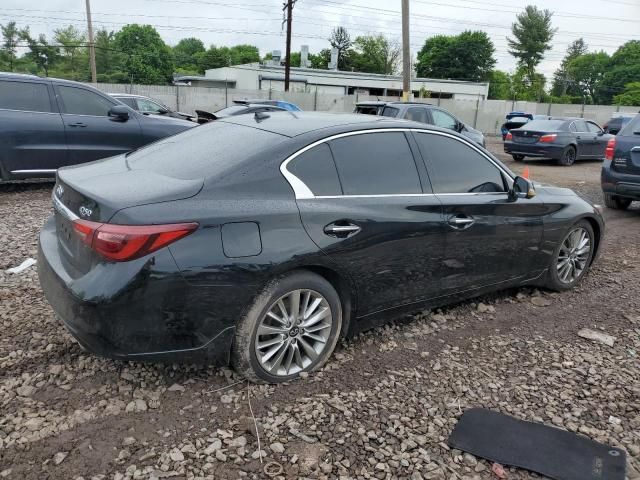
(553, 190)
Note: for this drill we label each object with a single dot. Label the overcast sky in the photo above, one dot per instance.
(604, 24)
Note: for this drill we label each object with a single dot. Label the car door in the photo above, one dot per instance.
(91, 133)
(366, 204)
(599, 139)
(584, 138)
(490, 238)
(32, 139)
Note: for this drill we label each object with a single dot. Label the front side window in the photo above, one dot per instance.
(593, 128)
(390, 112)
(316, 169)
(444, 120)
(147, 106)
(25, 96)
(458, 168)
(376, 164)
(130, 101)
(581, 125)
(78, 101)
(417, 114)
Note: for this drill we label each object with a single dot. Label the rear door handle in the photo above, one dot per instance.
(460, 222)
(77, 124)
(341, 229)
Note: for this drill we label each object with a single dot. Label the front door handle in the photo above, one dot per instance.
(77, 124)
(341, 229)
(461, 222)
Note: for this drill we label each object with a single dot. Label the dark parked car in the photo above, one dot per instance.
(237, 109)
(262, 240)
(617, 123)
(149, 106)
(621, 167)
(517, 120)
(562, 139)
(292, 107)
(47, 123)
(423, 113)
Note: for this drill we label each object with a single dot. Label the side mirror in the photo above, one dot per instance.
(163, 111)
(522, 188)
(119, 113)
(600, 133)
(460, 127)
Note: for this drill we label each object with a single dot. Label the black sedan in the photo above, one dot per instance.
(261, 240)
(562, 139)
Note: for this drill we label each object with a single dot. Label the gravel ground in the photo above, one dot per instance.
(382, 408)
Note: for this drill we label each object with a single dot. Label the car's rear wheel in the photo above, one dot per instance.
(292, 327)
(517, 157)
(615, 202)
(568, 157)
(572, 257)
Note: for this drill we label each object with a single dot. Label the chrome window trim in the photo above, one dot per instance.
(303, 192)
(38, 170)
(27, 111)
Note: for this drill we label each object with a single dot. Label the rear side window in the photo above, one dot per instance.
(390, 112)
(375, 164)
(581, 125)
(458, 168)
(78, 101)
(316, 169)
(25, 96)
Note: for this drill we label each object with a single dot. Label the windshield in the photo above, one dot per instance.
(545, 125)
(232, 110)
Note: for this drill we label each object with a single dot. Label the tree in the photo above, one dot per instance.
(73, 47)
(241, 54)
(500, 86)
(586, 72)
(42, 54)
(561, 84)
(624, 68)
(631, 95)
(533, 34)
(148, 59)
(321, 60)
(467, 56)
(185, 53)
(109, 60)
(375, 54)
(341, 40)
(11, 36)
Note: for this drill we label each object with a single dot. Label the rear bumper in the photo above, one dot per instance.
(534, 150)
(140, 310)
(617, 183)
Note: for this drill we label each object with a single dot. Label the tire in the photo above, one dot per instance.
(248, 358)
(556, 279)
(568, 157)
(616, 203)
(517, 157)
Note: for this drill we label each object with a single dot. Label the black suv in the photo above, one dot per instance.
(423, 113)
(621, 168)
(47, 123)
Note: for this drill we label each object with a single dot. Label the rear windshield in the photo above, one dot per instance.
(632, 127)
(545, 125)
(390, 112)
(518, 120)
(232, 110)
(203, 151)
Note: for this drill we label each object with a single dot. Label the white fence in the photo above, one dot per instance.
(485, 115)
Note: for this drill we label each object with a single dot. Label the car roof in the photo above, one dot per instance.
(411, 103)
(292, 124)
(371, 103)
(19, 76)
(132, 95)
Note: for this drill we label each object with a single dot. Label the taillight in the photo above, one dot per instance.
(610, 150)
(509, 136)
(550, 138)
(128, 242)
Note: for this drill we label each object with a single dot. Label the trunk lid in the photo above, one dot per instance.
(526, 136)
(96, 191)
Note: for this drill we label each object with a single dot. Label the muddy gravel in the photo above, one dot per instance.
(382, 408)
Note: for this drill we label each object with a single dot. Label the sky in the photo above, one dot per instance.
(604, 24)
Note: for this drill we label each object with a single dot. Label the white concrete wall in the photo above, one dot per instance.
(487, 115)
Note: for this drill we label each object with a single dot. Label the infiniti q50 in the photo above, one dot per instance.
(261, 240)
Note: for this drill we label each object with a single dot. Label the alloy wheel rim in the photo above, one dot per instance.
(574, 255)
(293, 333)
(570, 157)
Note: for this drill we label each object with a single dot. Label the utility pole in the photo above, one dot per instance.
(92, 46)
(406, 53)
(287, 65)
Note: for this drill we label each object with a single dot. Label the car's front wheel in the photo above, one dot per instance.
(517, 157)
(615, 202)
(572, 257)
(292, 327)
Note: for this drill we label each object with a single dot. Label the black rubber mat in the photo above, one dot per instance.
(549, 451)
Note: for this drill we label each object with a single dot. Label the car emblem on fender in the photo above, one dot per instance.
(59, 190)
(85, 212)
